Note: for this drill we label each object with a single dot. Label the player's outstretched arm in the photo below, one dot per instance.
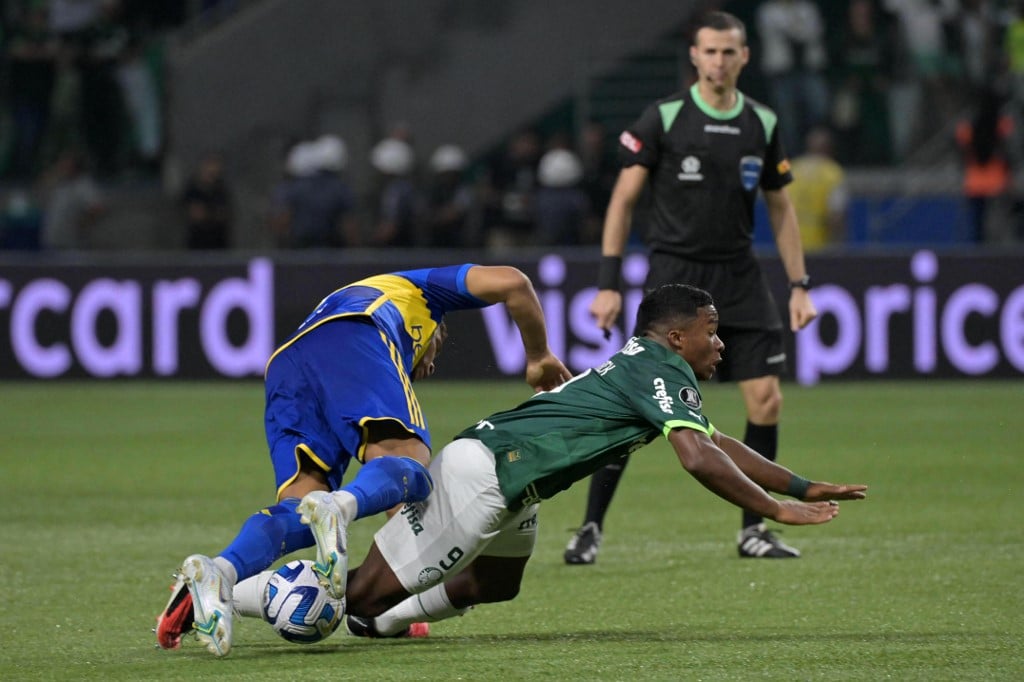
(820, 490)
(716, 471)
(778, 478)
(508, 285)
(706, 462)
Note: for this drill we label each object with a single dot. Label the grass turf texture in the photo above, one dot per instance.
(107, 486)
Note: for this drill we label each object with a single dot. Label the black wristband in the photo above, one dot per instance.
(608, 272)
(798, 487)
(802, 283)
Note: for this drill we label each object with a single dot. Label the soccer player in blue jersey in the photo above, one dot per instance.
(340, 388)
(471, 540)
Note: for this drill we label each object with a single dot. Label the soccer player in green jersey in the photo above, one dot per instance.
(468, 543)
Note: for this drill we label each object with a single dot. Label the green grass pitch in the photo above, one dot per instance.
(107, 486)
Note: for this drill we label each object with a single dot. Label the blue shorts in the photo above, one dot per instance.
(323, 389)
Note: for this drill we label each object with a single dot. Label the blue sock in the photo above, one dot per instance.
(266, 536)
(386, 481)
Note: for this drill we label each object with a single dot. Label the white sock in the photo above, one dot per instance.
(348, 503)
(249, 595)
(426, 607)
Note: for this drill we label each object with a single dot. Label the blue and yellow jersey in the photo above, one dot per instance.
(407, 307)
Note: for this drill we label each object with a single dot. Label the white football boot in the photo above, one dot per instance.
(212, 610)
(324, 517)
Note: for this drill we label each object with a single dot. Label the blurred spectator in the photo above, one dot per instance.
(141, 97)
(21, 221)
(600, 167)
(819, 193)
(32, 50)
(794, 58)
(316, 205)
(509, 187)
(207, 204)
(397, 209)
(296, 162)
(921, 98)
(451, 201)
(65, 104)
(863, 72)
(976, 31)
(73, 203)
(562, 209)
(102, 107)
(72, 18)
(983, 143)
(1013, 48)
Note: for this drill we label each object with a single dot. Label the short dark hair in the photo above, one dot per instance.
(718, 21)
(670, 303)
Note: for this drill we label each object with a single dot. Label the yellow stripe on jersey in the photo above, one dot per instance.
(411, 304)
(415, 413)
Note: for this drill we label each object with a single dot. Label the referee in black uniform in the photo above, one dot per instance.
(706, 152)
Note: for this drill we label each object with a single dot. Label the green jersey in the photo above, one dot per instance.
(558, 437)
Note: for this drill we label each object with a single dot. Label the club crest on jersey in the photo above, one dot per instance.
(750, 171)
(690, 167)
(631, 143)
(690, 397)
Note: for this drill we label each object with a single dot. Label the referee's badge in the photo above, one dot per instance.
(750, 171)
(690, 397)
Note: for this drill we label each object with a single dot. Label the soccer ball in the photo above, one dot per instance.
(297, 607)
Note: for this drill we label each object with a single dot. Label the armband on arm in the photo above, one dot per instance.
(797, 487)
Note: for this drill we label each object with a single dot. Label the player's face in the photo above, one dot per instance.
(719, 56)
(425, 367)
(702, 349)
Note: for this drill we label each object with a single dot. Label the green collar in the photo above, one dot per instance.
(711, 111)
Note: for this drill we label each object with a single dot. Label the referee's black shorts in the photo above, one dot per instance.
(750, 324)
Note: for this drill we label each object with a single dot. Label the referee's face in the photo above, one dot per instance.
(719, 56)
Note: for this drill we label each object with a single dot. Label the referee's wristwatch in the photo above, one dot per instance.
(802, 283)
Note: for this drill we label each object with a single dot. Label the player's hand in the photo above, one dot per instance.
(546, 372)
(605, 308)
(795, 513)
(822, 491)
(801, 309)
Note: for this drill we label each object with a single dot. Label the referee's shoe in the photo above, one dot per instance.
(757, 542)
(583, 545)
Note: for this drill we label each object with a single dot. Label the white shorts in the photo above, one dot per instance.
(464, 517)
